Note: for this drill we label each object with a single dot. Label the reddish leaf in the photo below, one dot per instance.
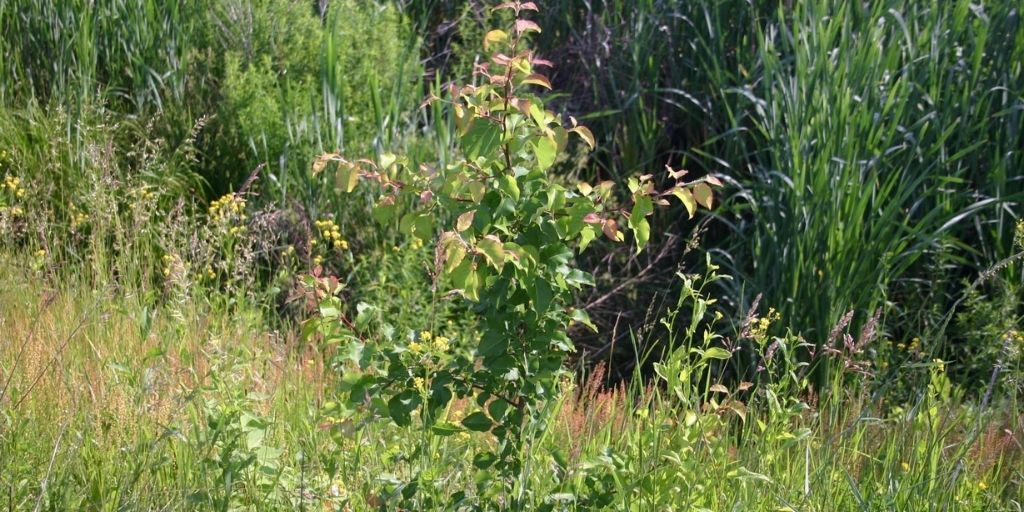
(676, 174)
(611, 230)
(526, 26)
(541, 62)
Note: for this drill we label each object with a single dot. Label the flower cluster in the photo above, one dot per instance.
(78, 217)
(13, 185)
(229, 211)
(913, 346)
(39, 261)
(11, 192)
(1015, 337)
(168, 263)
(759, 325)
(328, 239)
(330, 232)
(428, 343)
(141, 196)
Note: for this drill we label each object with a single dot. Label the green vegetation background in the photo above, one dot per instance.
(873, 157)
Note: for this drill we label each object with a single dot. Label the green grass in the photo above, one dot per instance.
(110, 403)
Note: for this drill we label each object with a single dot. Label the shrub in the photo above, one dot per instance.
(509, 254)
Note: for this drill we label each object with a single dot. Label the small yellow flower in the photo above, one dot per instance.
(441, 343)
(426, 336)
(421, 384)
(905, 466)
(983, 486)
(914, 344)
(318, 260)
(416, 347)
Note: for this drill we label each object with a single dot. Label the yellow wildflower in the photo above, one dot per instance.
(441, 344)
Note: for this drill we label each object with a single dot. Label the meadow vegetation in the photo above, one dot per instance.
(473, 255)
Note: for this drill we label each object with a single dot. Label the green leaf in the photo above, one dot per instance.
(465, 221)
(716, 353)
(642, 206)
(686, 197)
(546, 150)
(702, 192)
(461, 275)
(494, 36)
(484, 460)
(497, 408)
(400, 407)
(481, 139)
(642, 233)
(423, 227)
(541, 295)
(477, 422)
(445, 429)
(491, 345)
(493, 250)
(477, 191)
(507, 183)
(347, 177)
(581, 316)
(587, 235)
(453, 249)
(384, 210)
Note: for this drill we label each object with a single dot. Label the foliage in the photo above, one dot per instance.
(509, 253)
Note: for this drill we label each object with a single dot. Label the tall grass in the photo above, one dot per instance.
(883, 146)
(109, 403)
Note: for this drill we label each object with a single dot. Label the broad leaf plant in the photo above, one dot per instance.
(509, 251)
